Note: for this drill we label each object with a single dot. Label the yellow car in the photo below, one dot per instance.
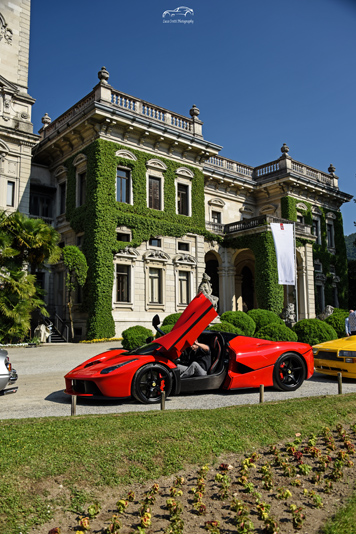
(337, 356)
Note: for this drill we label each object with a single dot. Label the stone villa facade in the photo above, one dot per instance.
(153, 206)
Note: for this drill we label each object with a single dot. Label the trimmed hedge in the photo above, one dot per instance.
(171, 319)
(276, 332)
(337, 321)
(226, 327)
(165, 328)
(314, 331)
(135, 336)
(241, 320)
(264, 318)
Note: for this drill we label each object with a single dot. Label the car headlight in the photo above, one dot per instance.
(315, 351)
(108, 370)
(347, 353)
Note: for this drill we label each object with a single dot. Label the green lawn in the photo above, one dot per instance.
(111, 450)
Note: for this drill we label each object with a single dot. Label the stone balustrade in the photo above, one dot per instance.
(131, 104)
(230, 165)
(278, 166)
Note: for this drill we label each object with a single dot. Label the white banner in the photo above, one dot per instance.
(283, 236)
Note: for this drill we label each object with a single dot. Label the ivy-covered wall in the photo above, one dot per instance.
(320, 252)
(269, 293)
(101, 215)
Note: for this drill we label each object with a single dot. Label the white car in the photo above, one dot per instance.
(8, 375)
(181, 11)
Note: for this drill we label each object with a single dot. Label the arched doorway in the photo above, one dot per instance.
(247, 289)
(245, 294)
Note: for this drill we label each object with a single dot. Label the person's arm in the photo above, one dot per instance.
(202, 346)
(347, 326)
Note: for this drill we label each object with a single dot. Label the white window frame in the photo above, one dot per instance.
(80, 164)
(155, 258)
(330, 220)
(127, 169)
(189, 280)
(184, 177)
(13, 193)
(155, 169)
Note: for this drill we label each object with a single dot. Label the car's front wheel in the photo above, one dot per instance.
(150, 381)
(289, 372)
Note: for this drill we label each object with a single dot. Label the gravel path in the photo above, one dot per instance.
(41, 385)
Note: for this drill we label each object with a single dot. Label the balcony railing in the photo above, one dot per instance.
(248, 224)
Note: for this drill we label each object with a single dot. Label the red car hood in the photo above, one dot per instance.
(195, 318)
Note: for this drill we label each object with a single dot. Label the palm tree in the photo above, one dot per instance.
(24, 243)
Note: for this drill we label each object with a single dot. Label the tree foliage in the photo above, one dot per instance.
(76, 274)
(25, 244)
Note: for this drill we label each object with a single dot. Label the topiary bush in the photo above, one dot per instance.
(226, 327)
(277, 332)
(171, 319)
(337, 321)
(135, 336)
(314, 331)
(241, 320)
(165, 328)
(263, 318)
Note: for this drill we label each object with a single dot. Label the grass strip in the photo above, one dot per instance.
(344, 522)
(111, 450)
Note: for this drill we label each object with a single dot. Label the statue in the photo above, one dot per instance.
(288, 315)
(206, 289)
(326, 313)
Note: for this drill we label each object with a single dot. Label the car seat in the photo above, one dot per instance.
(215, 356)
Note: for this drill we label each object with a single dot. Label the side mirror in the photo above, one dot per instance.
(156, 321)
(149, 339)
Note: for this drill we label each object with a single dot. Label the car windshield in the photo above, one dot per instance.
(150, 348)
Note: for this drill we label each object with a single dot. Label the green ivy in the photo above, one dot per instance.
(269, 293)
(101, 215)
(320, 252)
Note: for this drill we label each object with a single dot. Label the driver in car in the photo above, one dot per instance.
(198, 357)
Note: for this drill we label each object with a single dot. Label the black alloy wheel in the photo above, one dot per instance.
(289, 372)
(150, 381)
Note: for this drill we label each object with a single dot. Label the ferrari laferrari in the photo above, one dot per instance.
(336, 356)
(237, 362)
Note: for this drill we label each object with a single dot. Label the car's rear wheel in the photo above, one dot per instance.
(150, 381)
(289, 372)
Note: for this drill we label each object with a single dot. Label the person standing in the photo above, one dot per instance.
(350, 323)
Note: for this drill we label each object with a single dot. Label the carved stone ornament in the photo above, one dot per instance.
(103, 75)
(156, 255)
(5, 32)
(207, 290)
(326, 313)
(185, 258)
(183, 171)
(125, 154)
(288, 315)
(128, 252)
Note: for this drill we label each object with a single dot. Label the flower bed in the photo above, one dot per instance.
(294, 486)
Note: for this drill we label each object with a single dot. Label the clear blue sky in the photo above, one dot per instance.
(262, 72)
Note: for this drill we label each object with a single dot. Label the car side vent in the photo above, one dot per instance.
(91, 363)
(243, 369)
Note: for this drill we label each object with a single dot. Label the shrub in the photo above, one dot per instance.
(241, 320)
(171, 319)
(135, 336)
(263, 318)
(337, 321)
(226, 327)
(165, 328)
(277, 332)
(314, 331)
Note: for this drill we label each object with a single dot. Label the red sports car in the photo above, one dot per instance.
(237, 362)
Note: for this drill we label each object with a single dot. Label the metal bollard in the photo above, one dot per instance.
(262, 393)
(339, 382)
(73, 410)
(163, 400)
